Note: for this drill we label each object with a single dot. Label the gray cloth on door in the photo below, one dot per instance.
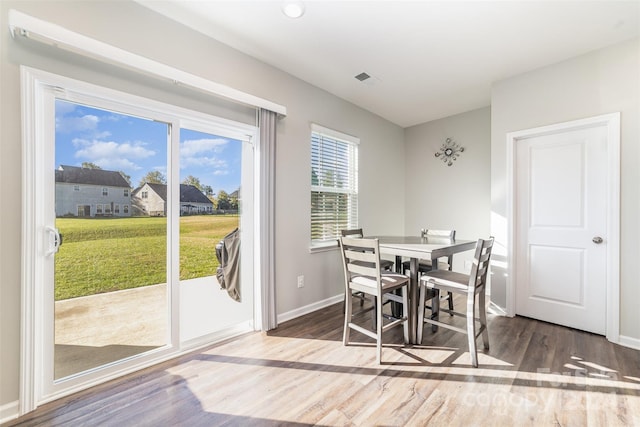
(228, 254)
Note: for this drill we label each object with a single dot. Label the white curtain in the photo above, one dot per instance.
(267, 158)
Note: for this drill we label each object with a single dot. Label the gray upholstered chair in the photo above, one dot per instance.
(471, 285)
(362, 273)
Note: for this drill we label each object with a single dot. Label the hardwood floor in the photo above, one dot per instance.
(300, 374)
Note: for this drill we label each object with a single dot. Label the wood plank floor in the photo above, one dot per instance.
(300, 374)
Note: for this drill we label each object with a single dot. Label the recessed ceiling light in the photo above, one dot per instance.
(293, 9)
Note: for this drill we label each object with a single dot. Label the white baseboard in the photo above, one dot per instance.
(283, 317)
(9, 411)
(217, 337)
(496, 309)
(629, 342)
(622, 339)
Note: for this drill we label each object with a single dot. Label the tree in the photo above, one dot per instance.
(223, 200)
(207, 190)
(192, 180)
(89, 165)
(233, 200)
(213, 200)
(126, 177)
(153, 177)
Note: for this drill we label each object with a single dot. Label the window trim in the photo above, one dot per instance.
(335, 134)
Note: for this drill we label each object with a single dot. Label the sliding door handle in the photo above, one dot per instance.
(55, 240)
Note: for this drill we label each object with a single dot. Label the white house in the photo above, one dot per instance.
(85, 192)
(151, 199)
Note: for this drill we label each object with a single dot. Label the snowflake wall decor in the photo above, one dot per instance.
(449, 151)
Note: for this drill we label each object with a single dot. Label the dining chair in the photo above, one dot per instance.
(425, 265)
(384, 264)
(471, 285)
(362, 273)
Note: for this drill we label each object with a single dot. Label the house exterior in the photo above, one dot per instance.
(84, 192)
(151, 199)
(193, 201)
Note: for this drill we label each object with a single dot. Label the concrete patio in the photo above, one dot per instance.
(95, 330)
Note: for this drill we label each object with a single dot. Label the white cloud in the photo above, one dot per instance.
(102, 135)
(194, 147)
(85, 123)
(112, 155)
(210, 162)
(98, 149)
(201, 153)
(117, 164)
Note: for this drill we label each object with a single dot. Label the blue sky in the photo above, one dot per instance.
(136, 146)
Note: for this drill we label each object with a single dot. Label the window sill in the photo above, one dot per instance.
(329, 246)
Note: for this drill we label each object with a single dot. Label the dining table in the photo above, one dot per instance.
(416, 248)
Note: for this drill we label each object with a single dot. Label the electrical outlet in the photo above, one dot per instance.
(467, 265)
(301, 281)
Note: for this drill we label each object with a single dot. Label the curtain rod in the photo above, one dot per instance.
(21, 24)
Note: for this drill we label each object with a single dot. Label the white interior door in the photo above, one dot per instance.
(561, 231)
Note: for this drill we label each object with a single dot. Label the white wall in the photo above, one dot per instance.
(600, 82)
(130, 26)
(450, 197)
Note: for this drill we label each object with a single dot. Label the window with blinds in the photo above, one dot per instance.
(334, 184)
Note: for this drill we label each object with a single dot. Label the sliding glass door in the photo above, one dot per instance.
(128, 199)
(216, 295)
(110, 268)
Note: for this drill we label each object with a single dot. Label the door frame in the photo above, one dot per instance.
(34, 84)
(612, 124)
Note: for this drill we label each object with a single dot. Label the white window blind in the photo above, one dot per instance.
(334, 184)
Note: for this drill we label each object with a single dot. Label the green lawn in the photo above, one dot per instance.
(104, 255)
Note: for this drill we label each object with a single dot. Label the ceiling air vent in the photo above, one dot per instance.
(363, 76)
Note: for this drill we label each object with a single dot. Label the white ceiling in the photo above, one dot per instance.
(428, 59)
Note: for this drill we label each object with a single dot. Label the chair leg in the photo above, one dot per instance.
(405, 313)
(421, 303)
(451, 303)
(379, 331)
(483, 319)
(435, 308)
(347, 317)
(374, 314)
(471, 329)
